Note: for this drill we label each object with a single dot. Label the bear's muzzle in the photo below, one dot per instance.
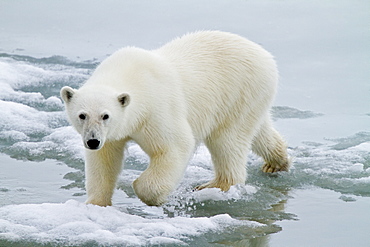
(93, 144)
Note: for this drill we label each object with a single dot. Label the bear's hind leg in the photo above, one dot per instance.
(272, 148)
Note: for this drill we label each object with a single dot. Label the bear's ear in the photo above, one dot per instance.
(67, 93)
(124, 99)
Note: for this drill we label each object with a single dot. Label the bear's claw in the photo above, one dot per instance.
(213, 184)
(269, 168)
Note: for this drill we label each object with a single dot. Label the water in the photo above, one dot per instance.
(322, 109)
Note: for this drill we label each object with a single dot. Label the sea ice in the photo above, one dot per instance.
(77, 223)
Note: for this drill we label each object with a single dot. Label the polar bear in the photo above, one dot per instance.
(208, 87)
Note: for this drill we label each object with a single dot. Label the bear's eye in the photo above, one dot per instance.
(82, 116)
(105, 116)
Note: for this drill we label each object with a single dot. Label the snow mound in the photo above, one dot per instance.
(76, 223)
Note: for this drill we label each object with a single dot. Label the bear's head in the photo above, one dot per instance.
(95, 113)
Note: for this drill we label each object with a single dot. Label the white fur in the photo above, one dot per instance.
(212, 87)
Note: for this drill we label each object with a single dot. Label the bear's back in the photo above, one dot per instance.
(221, 73)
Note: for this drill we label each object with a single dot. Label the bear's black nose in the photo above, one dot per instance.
(93, 143)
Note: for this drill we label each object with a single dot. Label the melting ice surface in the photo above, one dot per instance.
(322, 108)
(89, 224)
(34, 128)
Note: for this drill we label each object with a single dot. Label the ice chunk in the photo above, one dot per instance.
(355, 168)
(75, 222)
(363, 147)
(19, 117)
(13, 136)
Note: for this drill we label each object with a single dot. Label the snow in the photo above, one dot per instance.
(73, 222)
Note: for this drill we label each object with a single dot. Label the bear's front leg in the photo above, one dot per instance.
(161, 178)
(102, 168)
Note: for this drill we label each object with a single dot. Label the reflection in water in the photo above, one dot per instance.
(261, 237)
